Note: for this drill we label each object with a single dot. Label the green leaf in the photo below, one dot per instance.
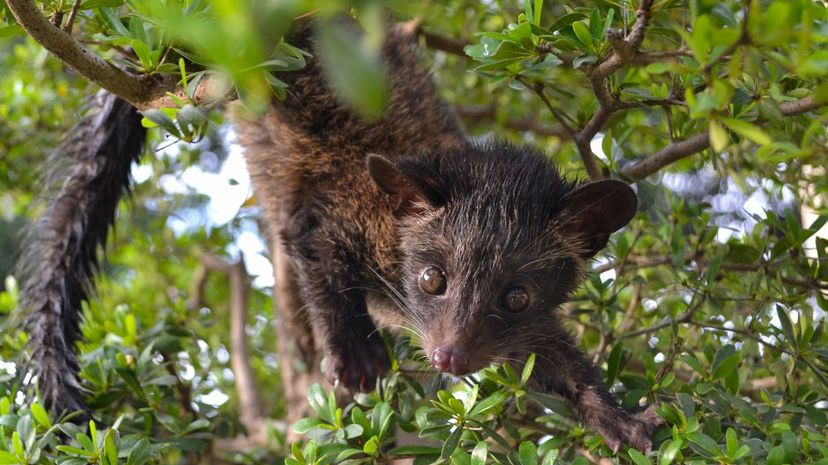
(76, 451)
(719, 139)
(747, 130)
(192, 116)
(776, 456)
(787, 325)
(566, 20)
(668, 453)
(582, 32)
(114, 21)
(110, 449)
(614, 362)
(527, 369)
(353, 431)
(381, 419)
(657, 68)
(706, 443)
(317, 399)
(726, 365)
(348, 453)
(11, 31)
(528, 453)
(479, 454)
(527, 9)
(7, 458)
(607, 24)
(700, 38)
(742, 253)
(595, 25)
(152, 118)
(140, 453)
(40, 415)
(732, 441)
(489, 404)
(550, 457)
(538, 9)
(789, 446)
(371, 446)
(144, 54)
(451, 443)
(638, 458)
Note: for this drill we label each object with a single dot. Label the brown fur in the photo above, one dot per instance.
(489, 216)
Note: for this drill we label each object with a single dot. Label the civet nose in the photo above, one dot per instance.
(449, 359)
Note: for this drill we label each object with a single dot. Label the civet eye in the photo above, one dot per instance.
(433, 281)
(515, 299)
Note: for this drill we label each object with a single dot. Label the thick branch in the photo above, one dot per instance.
(673, 152)
(583, 139)
(624, 50)
(700, 142)
(135, 89)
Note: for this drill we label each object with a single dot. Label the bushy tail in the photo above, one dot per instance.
(90, 174)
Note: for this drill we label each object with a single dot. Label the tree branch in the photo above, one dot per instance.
(70, 20)
(250, 402)
(672, 153)
(625, 49)
(685, 317)
(138, 90)
(700, 142)
(746, 333)
(445, 44)
(537, 88)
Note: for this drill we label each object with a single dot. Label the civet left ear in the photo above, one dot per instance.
(409, 197)
(595, 210)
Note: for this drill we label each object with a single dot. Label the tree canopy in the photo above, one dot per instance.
(710, 304)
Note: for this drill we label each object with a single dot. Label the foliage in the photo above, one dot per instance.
(711, 303)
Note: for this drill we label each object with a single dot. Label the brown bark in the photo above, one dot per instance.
(252, 414)
(137, 90)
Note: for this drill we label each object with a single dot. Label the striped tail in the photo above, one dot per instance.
(92, 174)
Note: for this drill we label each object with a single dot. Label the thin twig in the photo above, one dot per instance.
(742, 332)
(587, 157)
(537, 88)
(694, 305)
(70, 20)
